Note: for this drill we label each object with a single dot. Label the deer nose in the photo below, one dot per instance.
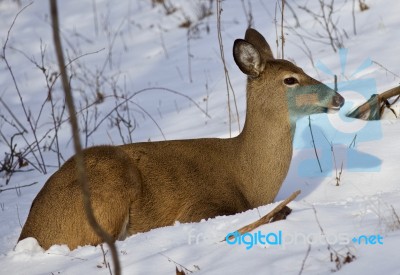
(338, 100)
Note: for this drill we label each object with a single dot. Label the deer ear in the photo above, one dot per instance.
(248, 58)
(255, 38)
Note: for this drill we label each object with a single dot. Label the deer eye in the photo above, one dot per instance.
(290, 81)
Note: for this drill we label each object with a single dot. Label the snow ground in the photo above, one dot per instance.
(148, 49)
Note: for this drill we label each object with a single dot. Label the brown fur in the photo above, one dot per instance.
(137, 187)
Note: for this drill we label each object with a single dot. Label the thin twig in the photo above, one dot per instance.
(395, 214)
(227, 78)
(267, 218)
(354, 17)
(386, 69)
(189, 54)
(313, 141)
(19, 220)
(12, 25)
(80, 165)
(294, 15)
(176, 263)
(151, 117)
(282, 34)
(18, 187)
(276, 30)
(96, 22)
(125, 100)
(374, 107)
(337, 175)
(320, 227)
(335, 81)
(248, 14)
(106, 263)
(353, 142)
(13, 116)
(27, 114)
(305, 259)
(335, 257)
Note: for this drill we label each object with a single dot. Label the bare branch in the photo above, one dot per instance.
(13, 116)
(313, 141)
(267, 218)
(80, 165)
(282, 33)
(227, 78)
(374, 107)
(27, 113)
(18, 187)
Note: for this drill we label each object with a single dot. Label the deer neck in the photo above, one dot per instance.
(265, 144)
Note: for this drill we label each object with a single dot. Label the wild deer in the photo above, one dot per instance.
(140, 186)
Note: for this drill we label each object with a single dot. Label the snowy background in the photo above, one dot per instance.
(151, 72)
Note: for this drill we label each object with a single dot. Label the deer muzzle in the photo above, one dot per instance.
(336, 103)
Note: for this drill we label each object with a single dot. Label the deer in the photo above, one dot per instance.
(141, 186)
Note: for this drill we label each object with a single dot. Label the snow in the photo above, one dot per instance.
(147, 49)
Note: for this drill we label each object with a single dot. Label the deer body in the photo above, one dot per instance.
(137, 187)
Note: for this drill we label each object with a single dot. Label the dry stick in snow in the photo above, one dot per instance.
(23, 129)
(313, 142)
(227, 78)
(374, 107)
(267, 218)
(276, 30)
(82, 177)
(354, 17)
(41, 162)
(305, 259)
(18, 187)
(282, 34)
